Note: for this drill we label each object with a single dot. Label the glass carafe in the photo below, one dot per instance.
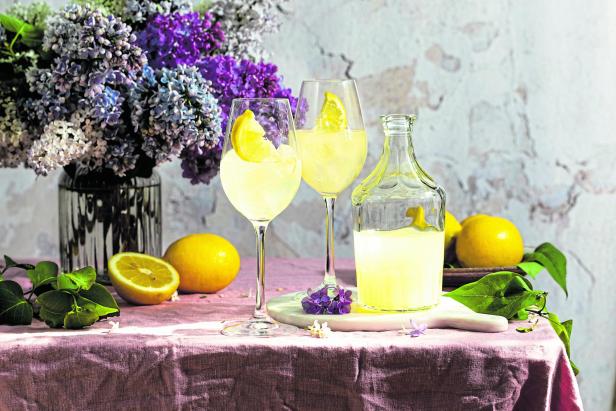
(398, 227)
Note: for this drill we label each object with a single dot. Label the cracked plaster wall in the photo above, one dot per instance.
(515, 101)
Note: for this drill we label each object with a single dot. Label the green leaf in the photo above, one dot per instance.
(79, 318)
(522, 315)
(10, 263)
(563, 330)
(98, 309)
(525, 329)
(33, 38)
(553, 260)
(81, 279)
(14, 309)
(531, 268)
(98, 294)
(14, 25)
(55, 304)
(502, 293)
(52, 318)
(44, 273)
(56, 300)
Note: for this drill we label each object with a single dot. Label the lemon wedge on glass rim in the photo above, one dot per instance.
(248, 139)
(142, 279)
(333, 114)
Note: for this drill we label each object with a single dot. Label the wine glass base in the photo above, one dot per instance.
(258, 327)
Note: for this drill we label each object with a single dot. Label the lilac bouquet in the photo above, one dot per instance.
(120, 86)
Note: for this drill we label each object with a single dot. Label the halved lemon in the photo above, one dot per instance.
(247, 137)
(333, 115)
(142, 279)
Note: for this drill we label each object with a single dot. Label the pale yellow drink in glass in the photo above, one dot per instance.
(331, 160)
(399, 269)
(261, 190)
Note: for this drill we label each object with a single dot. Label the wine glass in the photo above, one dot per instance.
(333, 146)
(260, 172)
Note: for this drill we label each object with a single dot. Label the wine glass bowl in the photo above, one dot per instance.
(333, 146)
(260, 171)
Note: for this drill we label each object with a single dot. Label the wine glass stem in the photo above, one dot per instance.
(330, 271)
(260, 303)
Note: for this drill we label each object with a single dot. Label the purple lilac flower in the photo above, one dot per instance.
(231, 79)
(174, 39)
(417, 329)
(200, 164)
(328, 301)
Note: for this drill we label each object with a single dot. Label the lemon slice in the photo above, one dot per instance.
(247, 137)
(419, 217)
(142, 279)
(333, 115)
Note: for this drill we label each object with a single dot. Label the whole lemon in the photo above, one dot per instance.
(206, 262)
(473, 217)
(489, 242)
(452, 228)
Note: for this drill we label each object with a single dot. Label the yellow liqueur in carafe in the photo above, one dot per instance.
(398, 227)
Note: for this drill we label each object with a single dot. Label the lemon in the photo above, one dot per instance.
(206, 262)
(333, 115)
(142, 279)
(489, 242)
(471, 218)
(247, 138)
(452, 228)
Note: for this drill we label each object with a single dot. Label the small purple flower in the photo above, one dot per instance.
(328, 300)
(417, 329)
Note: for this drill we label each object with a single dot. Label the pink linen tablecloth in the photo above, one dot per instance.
(171, 357)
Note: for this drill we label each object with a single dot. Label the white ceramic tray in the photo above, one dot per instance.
(448, 314)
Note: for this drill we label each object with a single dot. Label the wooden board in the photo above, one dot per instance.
(455, 277)
(448, 314)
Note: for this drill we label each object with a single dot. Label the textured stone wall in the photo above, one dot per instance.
(515, 101)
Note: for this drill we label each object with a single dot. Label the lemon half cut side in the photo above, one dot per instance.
(142, 279)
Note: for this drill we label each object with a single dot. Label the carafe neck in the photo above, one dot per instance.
(398, 147)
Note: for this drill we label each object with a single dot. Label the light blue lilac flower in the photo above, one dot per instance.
(139, 11)
(107, 105)
(173, 109)
(97, 46)
(94, 61)
(245, 23)
(174, 39)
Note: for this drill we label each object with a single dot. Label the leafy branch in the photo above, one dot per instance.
(512, 296)
(23, 32)
(70, 300)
